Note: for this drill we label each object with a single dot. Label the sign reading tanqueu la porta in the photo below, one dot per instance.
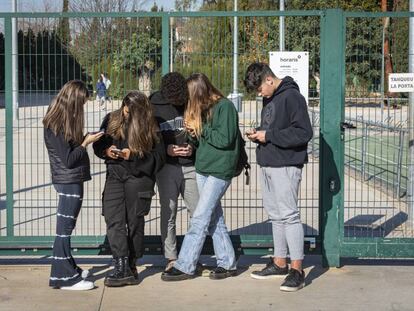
(401, 82)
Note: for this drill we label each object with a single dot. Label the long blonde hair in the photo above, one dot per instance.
(138, 127)
(65, 114)
(202, 98)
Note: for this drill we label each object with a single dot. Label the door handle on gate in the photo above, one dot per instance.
(332, 185)
(347, 125)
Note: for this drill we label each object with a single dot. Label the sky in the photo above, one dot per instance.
(28, 5)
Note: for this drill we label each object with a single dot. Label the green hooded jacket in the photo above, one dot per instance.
(218, 146)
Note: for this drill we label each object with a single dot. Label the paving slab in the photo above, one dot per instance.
(358, 285)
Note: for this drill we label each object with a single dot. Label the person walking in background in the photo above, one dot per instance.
(212, 122)
(282, 143)
(101, 93)
(70, 168)
(178, 176)
(107, 83)
(133, 153)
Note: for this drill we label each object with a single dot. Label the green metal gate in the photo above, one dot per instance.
(377, 216)
(146, 46)
(364, 138)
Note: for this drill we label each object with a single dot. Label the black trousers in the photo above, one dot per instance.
(64, 270)
(126, 200)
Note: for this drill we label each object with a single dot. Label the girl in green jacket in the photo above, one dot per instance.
(212, 122)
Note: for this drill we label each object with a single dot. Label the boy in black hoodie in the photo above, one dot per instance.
(177, 177)
(282, 141)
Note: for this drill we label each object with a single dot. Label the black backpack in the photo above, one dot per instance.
(243, 162)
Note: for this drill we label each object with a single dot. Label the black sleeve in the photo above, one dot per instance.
(299, 132)
(193, 141)
(104, 142)
(70, 155)
(152, 161)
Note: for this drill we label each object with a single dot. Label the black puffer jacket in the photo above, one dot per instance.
(69, 162)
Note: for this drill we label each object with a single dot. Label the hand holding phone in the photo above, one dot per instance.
(184, 150)
(112, 152)
(117, 151)
(250, 131)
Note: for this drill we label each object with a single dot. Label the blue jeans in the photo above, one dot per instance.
(207, 219)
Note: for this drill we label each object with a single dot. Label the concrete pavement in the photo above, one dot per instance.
(358, 285)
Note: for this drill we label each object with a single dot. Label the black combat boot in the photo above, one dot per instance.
(122, 274)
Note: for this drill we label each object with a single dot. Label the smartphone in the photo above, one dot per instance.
(117, 151)
(184, 145)
(250, 132)
(96, 132)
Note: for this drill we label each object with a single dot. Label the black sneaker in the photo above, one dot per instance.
(294, 281)
(271, 271)
(199, 269)
(169, 265)
(220, 273)
(175, 275)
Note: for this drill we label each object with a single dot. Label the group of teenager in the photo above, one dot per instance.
(186, 139)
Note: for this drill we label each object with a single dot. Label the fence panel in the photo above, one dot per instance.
(205, 44)
(53, 49)
(46, 61)
(376, 142)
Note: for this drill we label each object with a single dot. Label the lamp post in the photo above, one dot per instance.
(282, 27)
(235, 96)
(171, 42)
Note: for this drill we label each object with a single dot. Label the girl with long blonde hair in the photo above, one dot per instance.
(70, 168)
(212, 123)
(133, 153)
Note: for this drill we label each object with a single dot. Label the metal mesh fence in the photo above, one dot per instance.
(46, 62)
(206, 46)
(131, 57)
(376, 142)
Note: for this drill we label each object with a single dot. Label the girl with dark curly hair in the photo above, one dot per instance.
(178, 176)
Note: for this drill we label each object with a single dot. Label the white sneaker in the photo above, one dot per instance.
(82, 285)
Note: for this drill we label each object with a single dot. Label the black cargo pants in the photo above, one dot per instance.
(126, 200)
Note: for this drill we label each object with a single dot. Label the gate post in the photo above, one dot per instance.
(8, 78)
(331, 172)
(165, 43)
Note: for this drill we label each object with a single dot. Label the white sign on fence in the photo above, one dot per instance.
(294, 64)
(401, 82)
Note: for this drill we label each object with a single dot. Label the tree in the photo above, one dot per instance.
(259, 35)
(185, 5)
(399, 38)
(63, 30)
(105, 6)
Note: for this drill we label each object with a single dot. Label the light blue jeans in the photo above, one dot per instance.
(207, 219)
